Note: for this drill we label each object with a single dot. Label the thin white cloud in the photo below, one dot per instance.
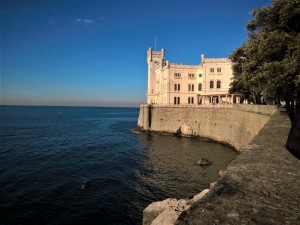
(84, 21)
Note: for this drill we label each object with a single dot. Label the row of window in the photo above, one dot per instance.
(177, 100)
(211, 84)
(212, 70)
(190, 75)
(191, 87)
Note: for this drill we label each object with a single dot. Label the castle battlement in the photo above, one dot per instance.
(217, 60)
(177, 64)
(157, 55)
(181, 65)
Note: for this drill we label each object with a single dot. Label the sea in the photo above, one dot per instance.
(48, 153)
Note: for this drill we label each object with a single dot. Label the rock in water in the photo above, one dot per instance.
(186, 130)
(203, 162)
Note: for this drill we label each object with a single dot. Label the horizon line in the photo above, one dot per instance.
(86, 106)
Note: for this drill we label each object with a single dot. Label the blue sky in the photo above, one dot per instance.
(93, 53)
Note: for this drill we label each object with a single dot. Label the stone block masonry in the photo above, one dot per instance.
(235, 126)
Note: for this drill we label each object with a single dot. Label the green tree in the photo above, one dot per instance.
(268, 63)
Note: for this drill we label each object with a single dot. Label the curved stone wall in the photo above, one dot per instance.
(261, 186)
(235, 126)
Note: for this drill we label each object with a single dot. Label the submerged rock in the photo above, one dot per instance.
(203, 162)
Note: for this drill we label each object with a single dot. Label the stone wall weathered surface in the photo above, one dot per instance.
(261, 186)
(235, 126)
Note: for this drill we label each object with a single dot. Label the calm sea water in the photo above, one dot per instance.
(47, 152)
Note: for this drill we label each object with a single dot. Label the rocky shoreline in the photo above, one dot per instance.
(167, 212)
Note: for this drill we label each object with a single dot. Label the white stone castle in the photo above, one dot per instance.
(179, 84)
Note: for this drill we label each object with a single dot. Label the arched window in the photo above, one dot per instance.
(200, 87)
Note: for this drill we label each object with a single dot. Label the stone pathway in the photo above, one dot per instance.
(261, 186)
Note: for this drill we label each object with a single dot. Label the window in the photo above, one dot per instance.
(212, 70)
(211, 84)
(191, 75)
(200, 87)
(176, 87)
(176, 100)
(190, 100)
(177, 75)
(218, 84)
(200, 75)
(191, 87)
(219, 70)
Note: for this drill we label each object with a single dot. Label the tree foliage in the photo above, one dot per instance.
(267, 65)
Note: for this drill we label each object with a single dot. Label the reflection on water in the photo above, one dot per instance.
(169, 167)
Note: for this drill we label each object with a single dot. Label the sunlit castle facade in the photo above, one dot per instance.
(179, 84)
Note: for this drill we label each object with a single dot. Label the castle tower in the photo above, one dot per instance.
(156, 62)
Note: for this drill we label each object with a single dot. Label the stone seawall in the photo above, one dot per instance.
(261, 186)
(235, 126)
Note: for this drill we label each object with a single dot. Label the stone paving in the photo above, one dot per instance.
(261, 186)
